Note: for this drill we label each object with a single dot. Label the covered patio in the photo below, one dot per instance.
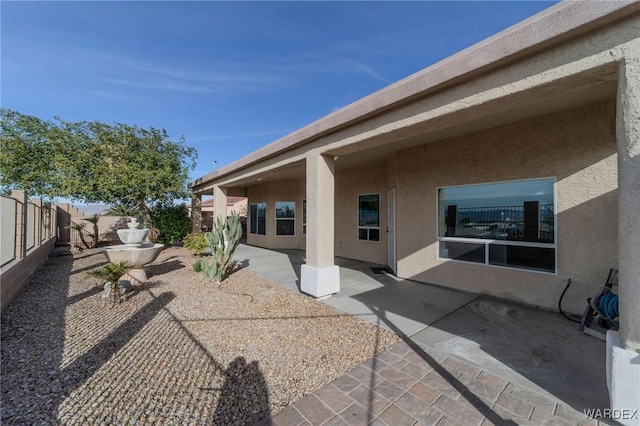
(550, 101)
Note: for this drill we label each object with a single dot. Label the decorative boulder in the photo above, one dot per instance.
(123, 285)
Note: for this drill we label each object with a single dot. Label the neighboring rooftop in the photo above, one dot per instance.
(230, 201)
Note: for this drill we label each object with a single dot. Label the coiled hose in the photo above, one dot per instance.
(608, 305)
(560, 303)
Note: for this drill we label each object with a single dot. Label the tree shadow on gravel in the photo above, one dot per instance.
(89, 268)
(244, 397)
(163, 268)
(80, 296)
(42, 384)
(82, 368)
(34, 384)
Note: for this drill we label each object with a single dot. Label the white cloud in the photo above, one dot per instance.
(370, 72)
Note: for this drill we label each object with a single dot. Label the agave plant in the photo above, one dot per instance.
(222, 240)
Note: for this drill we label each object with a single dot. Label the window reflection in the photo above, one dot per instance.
(512, 224)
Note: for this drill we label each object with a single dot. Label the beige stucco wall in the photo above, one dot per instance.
(348, 185)
(577, 147)
(271, 192)
(239, 207)
(108, 227)
(370, 179)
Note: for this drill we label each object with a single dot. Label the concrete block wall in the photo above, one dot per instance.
(28, 235)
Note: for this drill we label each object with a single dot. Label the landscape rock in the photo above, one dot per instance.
(179, 350)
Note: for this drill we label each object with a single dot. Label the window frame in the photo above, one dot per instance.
(275, 210)
(487, 242)
(304, 216)
(257, 222)
(368, 228)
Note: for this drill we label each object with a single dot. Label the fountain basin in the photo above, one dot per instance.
(135, 255)
(132, 235)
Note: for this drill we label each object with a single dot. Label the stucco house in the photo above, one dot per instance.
(236, 205)
(505, 169)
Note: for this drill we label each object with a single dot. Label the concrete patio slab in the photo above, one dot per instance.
(465, 358)
(527, 346)
(271, 264)
(402, 306)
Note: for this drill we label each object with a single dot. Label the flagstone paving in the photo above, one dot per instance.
(411, 384)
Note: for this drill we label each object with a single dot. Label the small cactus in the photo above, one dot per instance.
(222, 240)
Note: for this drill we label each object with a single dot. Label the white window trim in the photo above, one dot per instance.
(265, 218)
(284, 218)
(500, 242)
(358, 227)
(486, 242)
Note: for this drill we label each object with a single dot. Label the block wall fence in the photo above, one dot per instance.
(30, 229)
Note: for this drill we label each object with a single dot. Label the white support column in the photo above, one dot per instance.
(623, 348)
(319, 276)
(628, 135)
(219, 203)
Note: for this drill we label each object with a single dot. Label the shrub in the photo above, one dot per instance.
(80, 229)
(195, 242)
(94, 221)
(172, 221)
(112, 271)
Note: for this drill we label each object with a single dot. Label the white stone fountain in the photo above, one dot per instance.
(133, 251)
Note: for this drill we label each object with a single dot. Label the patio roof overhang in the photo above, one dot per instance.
(478, 88)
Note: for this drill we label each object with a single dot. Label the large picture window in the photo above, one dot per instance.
(510, 224)
(257, 218)
(285, 217)
(369, 217)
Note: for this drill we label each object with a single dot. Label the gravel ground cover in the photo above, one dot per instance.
(180, 350)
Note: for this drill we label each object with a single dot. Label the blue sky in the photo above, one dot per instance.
(228, 76)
